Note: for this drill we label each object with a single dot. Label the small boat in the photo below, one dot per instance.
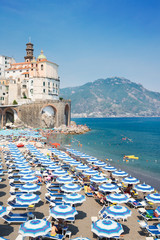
(130, 157)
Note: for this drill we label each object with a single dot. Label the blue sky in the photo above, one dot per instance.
(89, 39)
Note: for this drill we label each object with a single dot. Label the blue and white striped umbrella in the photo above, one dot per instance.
(26, 172)
(118, 212)
(130, 180)
(64, 179)
(35, 228)
(98, 179)
(22, 166)
(63, 211)
(3, 211)
(54, 168)
(90, 172)
(154, 198)
(144, 188)
(60, 173)
(117, 198)
(74, 163)
(100, 164)
(74, 198)
(92, 160)
(108, 187)
(82, 167)
(71, 187)
(27, 199)
(158, 210)
(29, 187)
(28, 178)
(120, 173)
(107, 228)
(109, 168)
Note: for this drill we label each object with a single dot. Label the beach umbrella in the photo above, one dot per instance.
(130, 180)
(119, 173)
(100, 164)
(108, 187)
(82, 167)
(60, 173)
(92, 160)
(158, 210)
(22, 166)
(63, 211)
(154, 198)
(90, 172)
(118, 212)
(98, 179)
(27, 199)
(28, 178)
(26, 172)
(3, 211)
(53, 167)
(29, 187)
(74, 198)
(64, 179)
(74, 163)
(35, 228)
(109, 168)
(71, 187)
(117, 198)
(2, 238)
(107, 228)
(144, 188)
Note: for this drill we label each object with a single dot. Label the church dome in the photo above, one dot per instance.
(42, 56)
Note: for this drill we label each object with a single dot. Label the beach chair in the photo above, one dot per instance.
(137, 203)
(153, 230)
(101, 212)
(15, 205)
(15, 218)
(149, 214)
(56, 237)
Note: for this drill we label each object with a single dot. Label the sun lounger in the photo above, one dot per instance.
(14, 205)
(153, 230)
(57, 237)
(15, 217)
(101, 212)
(149, 215)
(136, 203)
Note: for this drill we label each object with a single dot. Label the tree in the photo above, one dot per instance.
(15, 102)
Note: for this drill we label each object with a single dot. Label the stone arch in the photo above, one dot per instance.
(9, 115)
(67, 115)
(48, 115)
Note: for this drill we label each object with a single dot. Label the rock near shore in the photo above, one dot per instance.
(73, 129)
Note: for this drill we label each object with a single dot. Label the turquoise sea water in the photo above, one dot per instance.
(112, 138)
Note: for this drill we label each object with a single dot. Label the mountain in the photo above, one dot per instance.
(112, 97)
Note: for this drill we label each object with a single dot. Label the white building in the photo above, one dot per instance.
(33, 79)
(5, 62)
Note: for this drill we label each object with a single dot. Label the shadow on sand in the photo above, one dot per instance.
(74, 230)
(3, 185)
(6, 230)
(2, 193)
(81, 215)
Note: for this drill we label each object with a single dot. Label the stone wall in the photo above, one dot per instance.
(31, 114)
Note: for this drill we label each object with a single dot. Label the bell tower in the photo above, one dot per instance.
(29, 52)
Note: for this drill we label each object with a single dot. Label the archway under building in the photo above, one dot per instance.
(9, 116)
(67, 115)
(48, 116)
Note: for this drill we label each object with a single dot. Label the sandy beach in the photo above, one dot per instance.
(82, 224)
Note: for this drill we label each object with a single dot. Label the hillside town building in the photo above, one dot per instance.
(30, 81)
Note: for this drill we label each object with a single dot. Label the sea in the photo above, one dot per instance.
(110, 139)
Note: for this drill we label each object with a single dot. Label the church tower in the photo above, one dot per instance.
(29, 51)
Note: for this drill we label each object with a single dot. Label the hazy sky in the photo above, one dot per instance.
(89, 39)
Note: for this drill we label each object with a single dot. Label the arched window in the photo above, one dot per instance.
(41, 66)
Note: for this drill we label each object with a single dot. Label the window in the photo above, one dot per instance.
(20, 70)
(43, 83)
(14, 71)
(48, 84)
(7, 72)
(0, 73)
(32, 83)
(31, 91)
(44, 90)
(41, 66)
(6, 62)
(3, 82)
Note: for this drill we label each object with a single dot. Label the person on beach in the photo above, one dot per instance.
(54, 230)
